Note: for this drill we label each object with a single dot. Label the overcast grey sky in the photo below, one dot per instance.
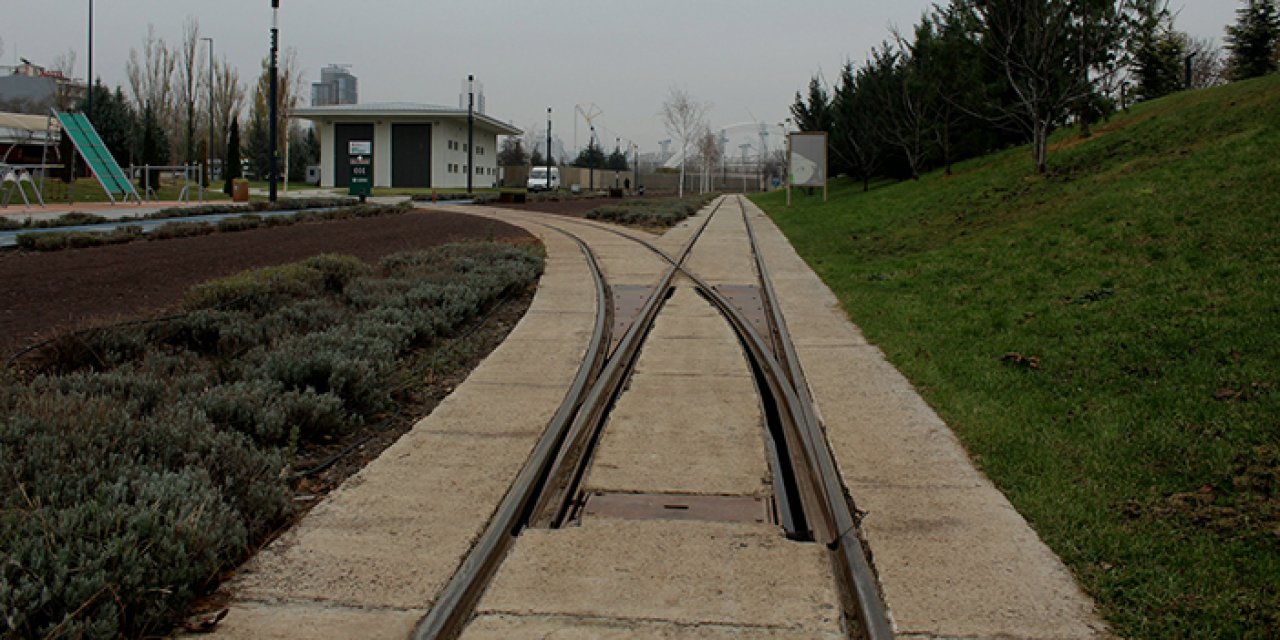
(746, 58)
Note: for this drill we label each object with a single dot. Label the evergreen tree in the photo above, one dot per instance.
(813, 113)
(257, 145)
(1252, 41)
(591, 157)
(115, 120)
(1156, 51)
(854, 148)
(231, 167)
(1159, 65)
(617, 161)
(512, 153)
(154, 148)
(300, 155)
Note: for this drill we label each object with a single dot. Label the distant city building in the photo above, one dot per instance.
(337, 86)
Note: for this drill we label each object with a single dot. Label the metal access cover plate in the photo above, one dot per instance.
(662, 506)
(746, 297)
(628, 302)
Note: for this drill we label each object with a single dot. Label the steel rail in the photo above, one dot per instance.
(821, 489)
(767, 371)
(526, 498)
(557, 503)
(457, 600)
(848, 555)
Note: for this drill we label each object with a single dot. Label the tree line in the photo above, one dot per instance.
(181, 108)
(974, 76)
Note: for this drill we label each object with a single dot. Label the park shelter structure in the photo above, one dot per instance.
(414, 145)
(24, 138)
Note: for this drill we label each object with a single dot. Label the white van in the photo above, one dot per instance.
(538, 179)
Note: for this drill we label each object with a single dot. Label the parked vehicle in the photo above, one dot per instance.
(538, 180)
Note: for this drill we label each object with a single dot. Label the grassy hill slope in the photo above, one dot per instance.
(1105, 341)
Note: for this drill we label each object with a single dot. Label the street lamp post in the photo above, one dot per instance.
(208, 145)
(548, 148)
(617, 146)
(635, 170)
(591, 161)
(89, 104)
(273, 171)
(471, 125)
(786, 133)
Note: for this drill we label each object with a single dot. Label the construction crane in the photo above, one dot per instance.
(589, 113)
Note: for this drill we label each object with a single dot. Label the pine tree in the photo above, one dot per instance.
(155, 146)
(813, 114)
(1253, 40)
(617, 161)
(231, 167)
(115, 121)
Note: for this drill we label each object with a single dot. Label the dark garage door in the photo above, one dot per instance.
(411, 155)
(342, 134)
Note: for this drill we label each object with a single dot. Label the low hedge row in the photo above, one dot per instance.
(57, 241)
(662, 213)
(141, 461)
(76, 218)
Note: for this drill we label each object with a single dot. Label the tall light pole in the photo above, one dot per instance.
(471, 126)
(548, 148)
(635, 170)
(617, 146)
(591, 160)
(273, 171)
(208, 145)
(89, 104)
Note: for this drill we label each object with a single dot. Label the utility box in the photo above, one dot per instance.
(360, 158)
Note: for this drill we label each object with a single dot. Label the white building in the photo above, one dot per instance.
(414, 145)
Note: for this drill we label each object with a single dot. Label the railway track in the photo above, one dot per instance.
(805, 499)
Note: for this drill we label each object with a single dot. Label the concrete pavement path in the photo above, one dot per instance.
(953, 558)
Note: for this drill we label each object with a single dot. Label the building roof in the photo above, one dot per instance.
(21, 128)
(400, 109)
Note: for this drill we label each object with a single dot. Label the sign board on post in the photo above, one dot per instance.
(360, 157)
(807, 161)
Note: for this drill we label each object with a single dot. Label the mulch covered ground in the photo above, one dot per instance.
(44, 293)
(577, 207)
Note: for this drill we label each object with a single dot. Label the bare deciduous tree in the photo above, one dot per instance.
(1208, 65)
(228, 103)
(65, 63)
(1045, 51)
(708, 157)
(683, 118)
(288, 96)
(188, 92)
(150, 78)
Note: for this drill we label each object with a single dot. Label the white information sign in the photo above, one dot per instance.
(807, 161)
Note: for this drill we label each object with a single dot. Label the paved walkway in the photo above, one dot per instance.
(953, 557)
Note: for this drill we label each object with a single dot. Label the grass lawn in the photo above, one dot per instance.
(1104, 340)
(90, 190)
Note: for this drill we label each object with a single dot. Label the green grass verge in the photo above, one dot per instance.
(1103, 340)
(89, 190)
